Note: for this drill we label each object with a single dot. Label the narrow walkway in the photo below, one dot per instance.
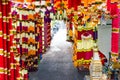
(57, 61)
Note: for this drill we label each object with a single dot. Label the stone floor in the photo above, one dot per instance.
(57, 62)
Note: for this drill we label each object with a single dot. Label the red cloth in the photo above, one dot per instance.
(108, 5)
(89, 54)
(26, 76)
(115, 24)
(4, 12)
(85, 55)
(76, 3)
(84, 31)
(6, 41)
(114, 8)
(114, 44)
(12, 70)
(70, 3)
(80, 55)
(17, 72)
(102, 57)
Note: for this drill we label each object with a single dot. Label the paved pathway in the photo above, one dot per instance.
(57, 62)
